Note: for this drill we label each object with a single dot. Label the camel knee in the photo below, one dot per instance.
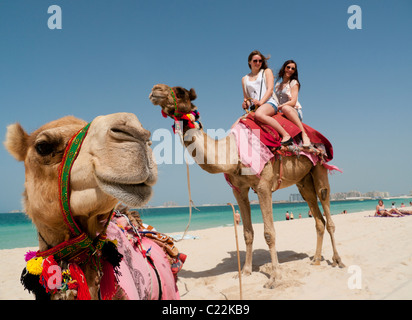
(324, 192)
(331, 228)
(248, 237)
(269, 238)
(320, 228)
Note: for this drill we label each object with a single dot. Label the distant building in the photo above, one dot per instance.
(358, 195)
(295, 197)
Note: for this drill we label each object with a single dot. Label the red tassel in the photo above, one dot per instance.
(50, 271)
(108, 281)
(78, 275)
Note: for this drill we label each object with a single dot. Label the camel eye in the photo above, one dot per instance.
(44, 148)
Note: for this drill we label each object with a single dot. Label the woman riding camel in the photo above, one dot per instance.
(287, 93)
(257, 92)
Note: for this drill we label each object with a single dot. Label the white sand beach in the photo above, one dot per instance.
(376, 251)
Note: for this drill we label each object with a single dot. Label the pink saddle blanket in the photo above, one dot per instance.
(137, 277)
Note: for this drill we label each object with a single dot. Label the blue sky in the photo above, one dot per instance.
(108, 55)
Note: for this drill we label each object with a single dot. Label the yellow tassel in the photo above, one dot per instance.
(35, 266)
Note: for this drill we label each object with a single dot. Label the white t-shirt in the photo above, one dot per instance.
(285, 95)
(257, 89)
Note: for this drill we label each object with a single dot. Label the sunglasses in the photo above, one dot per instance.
(257, 61)
(290, 68)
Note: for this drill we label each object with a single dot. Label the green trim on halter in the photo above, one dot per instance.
(176, 113)
(70, 155)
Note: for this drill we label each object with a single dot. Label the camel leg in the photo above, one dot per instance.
(242, 199)
(264, 193)
(308, 192)
(321, 182)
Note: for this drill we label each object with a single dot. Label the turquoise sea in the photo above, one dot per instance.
(17, 231)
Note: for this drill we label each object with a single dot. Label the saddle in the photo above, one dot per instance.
(271, 138)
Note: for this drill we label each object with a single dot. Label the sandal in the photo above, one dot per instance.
(307, 143)
(287, 142)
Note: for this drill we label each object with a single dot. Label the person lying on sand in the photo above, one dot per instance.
(382, 212)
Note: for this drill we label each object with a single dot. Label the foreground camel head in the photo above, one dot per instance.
(167, 98)
(115, 163)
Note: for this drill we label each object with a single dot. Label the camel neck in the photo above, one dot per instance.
(213, 156)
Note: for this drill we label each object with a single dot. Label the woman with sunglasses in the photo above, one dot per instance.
(257, 92)
(287, 93)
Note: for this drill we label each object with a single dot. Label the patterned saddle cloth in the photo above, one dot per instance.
(258, 143)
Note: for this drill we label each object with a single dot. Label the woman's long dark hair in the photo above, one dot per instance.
(295, 75)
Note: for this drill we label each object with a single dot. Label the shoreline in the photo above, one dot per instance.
(377, 247)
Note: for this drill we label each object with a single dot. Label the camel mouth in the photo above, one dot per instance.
(156, 98)
(135, 195)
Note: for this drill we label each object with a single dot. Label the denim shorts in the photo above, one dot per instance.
(300, 114)
(274, 106)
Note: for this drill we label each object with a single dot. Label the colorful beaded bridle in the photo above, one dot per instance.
(191, 118)
(80, 248)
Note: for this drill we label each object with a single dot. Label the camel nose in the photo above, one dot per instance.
(129, 133)
(129, 129)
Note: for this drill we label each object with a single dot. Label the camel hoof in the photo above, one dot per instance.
(246, 272)
(315, 262)
(338, 262)
(270, 284)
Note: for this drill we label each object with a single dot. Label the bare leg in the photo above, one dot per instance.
(264, 114)
(293, 116)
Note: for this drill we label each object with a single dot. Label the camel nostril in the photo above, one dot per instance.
(128, 133)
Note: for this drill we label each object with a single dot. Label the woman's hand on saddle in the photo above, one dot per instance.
(245, 105)
(256, 102)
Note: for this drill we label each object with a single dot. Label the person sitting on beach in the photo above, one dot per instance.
(258, 93)
(382, 212)
(287, 93)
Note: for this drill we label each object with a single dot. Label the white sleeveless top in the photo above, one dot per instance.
(256, 89)
(284, 95)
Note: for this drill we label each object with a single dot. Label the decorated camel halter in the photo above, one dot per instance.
(191, 117)
(79, 249)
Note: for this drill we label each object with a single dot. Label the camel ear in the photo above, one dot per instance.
(16, 141)
(192, 94)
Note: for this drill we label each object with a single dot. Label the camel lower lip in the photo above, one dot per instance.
(130, 194)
